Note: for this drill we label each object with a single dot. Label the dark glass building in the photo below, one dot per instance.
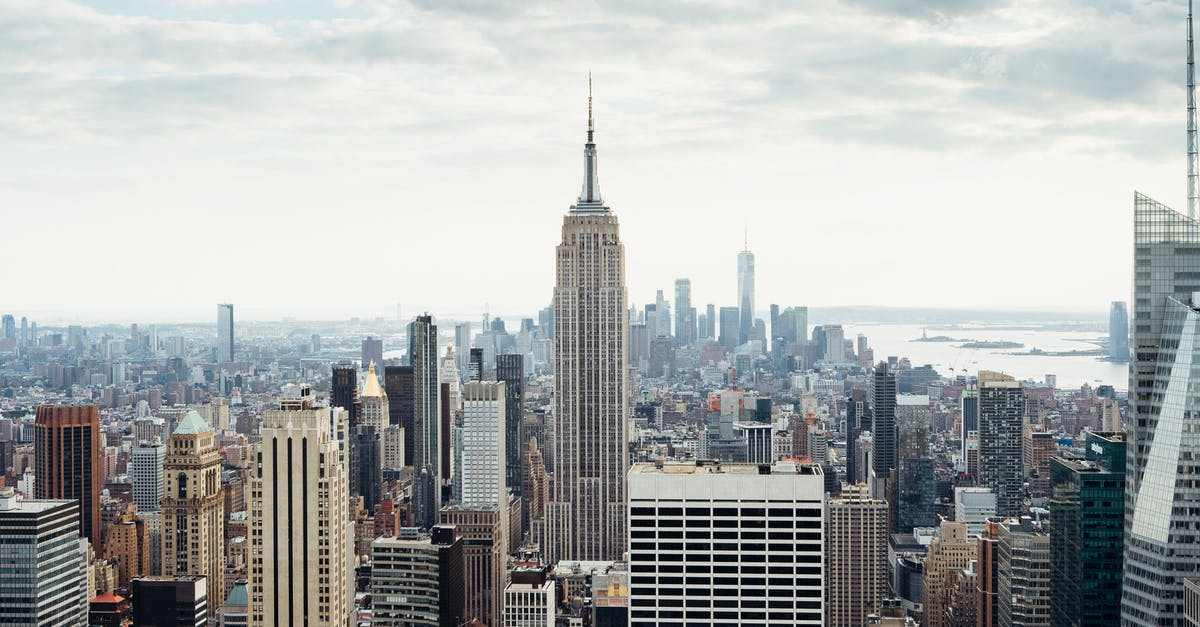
(365, 477)
(67, 461)
(170, 601)
(510, 368)
(1087, 532)
(343, 391)
(398, 385)
(884, 421)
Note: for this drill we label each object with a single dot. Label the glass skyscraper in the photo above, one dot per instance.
(1162, 517)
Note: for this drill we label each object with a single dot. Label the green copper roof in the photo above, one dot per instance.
(192, 424)
(237, 594)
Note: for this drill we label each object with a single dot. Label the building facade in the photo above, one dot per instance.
(417, 580)
(193, 536)
(699, 550)
(1001, 418)
(224, 333)
(36, 590)
(301, 555)
(856, 565)
(67, 461)
(586, 515)
(427, 422)
(146, 467)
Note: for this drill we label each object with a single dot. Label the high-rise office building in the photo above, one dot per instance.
(44, 577)
(484, 530)
(1118, 332)
(1087, 532)
(685, 520)
(67, 461)
(462, 341)
(530, 598)
(745, 294)
(366, 441)
(1001, 416)
(449, 413)
(398, 384)
(987, 585)
(969, 407)
(427, 423)
(586, 516)
(484, 444)
(372, 351)
(1024, 573)
(856, 560)
(974, 506)
(728, 335)
(883, 428)
(858, 419)
(193, 536)
(301, 554)
(708, 330)
(510, 369)
(343, 389)
(1160, 517)
(224, 333)
(174, 601)
(835, 344)
(685, 323)
(916, 486)
(416, 580)
(8, 326)
(146, 470)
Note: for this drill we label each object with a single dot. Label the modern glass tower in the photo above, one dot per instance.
(1162, 520)
(427, 441)
(745, 295)
(1118, 332)
(224, 333)
(586, 517)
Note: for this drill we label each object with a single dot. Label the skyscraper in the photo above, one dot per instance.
(484, 437)
(510, 369)
(745, 295)
(685, 323)
(343, 390)
(586, 516)
(728, 335)
(1160, 514)
(1087, 532)
(193, 536)
(713, 501)
(146, 469)
(856, 567)
(969, 406)
(372, 351)
(398, 383)
(67, 461)
(883, 428)
(44, 577)
(1118, 332)
(1001, 416)
(427, 442)
(1023, 566)
(708, 330)
(366, 441)
(418, 580)
(301, 558)
(224, 333)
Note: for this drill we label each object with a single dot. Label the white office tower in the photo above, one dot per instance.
(529, 598)
(43, 563)
(224, 333)
(483, 463)
(146, 469)
(711, 543)
(585, 518)
(301, 548)
(974, 506)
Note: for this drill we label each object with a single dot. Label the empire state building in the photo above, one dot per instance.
(585, 518)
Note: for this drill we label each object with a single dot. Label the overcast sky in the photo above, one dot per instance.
(328, 159)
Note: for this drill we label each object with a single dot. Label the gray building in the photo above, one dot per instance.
(1118, 332)
(44, 577)
(1001, 418)
(510, 370)
(146, 468)
(224, 333)
(685, 315)
(1023, 569)
(745, 288)
(427, 442)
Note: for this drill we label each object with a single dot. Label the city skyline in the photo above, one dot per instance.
(1036, 105)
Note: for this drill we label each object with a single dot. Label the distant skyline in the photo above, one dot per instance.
(164, 156)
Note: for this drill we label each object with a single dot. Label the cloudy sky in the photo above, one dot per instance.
(318, 159)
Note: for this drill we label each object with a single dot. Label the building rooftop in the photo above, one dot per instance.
(781, 467)
(192, 424)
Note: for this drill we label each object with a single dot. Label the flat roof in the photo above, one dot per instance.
(783, 467)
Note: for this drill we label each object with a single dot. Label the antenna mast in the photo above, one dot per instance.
(1193, 194)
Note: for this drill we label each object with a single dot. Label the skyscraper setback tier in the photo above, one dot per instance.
(586, 514)
(1161, 518)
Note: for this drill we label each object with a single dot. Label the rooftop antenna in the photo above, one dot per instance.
(592, 126)
(1193, 195)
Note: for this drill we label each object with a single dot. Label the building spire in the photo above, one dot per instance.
(589, 197)
(1193, 166)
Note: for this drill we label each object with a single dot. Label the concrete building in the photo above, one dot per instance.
(530, 598)
(485, 534)
(856, 566)
(67, 461)
(1037, 447)
(484, 456)
(417, 580)
(949, 553)
(1024, 574)
(585, 519)
(193, 539)
(1001, 417)
(37, 590)
(225, 340)
(728, 571)
(301, 554)
(974, 506)
(146, 469)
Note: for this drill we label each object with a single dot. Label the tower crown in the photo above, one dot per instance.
(590, 200)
